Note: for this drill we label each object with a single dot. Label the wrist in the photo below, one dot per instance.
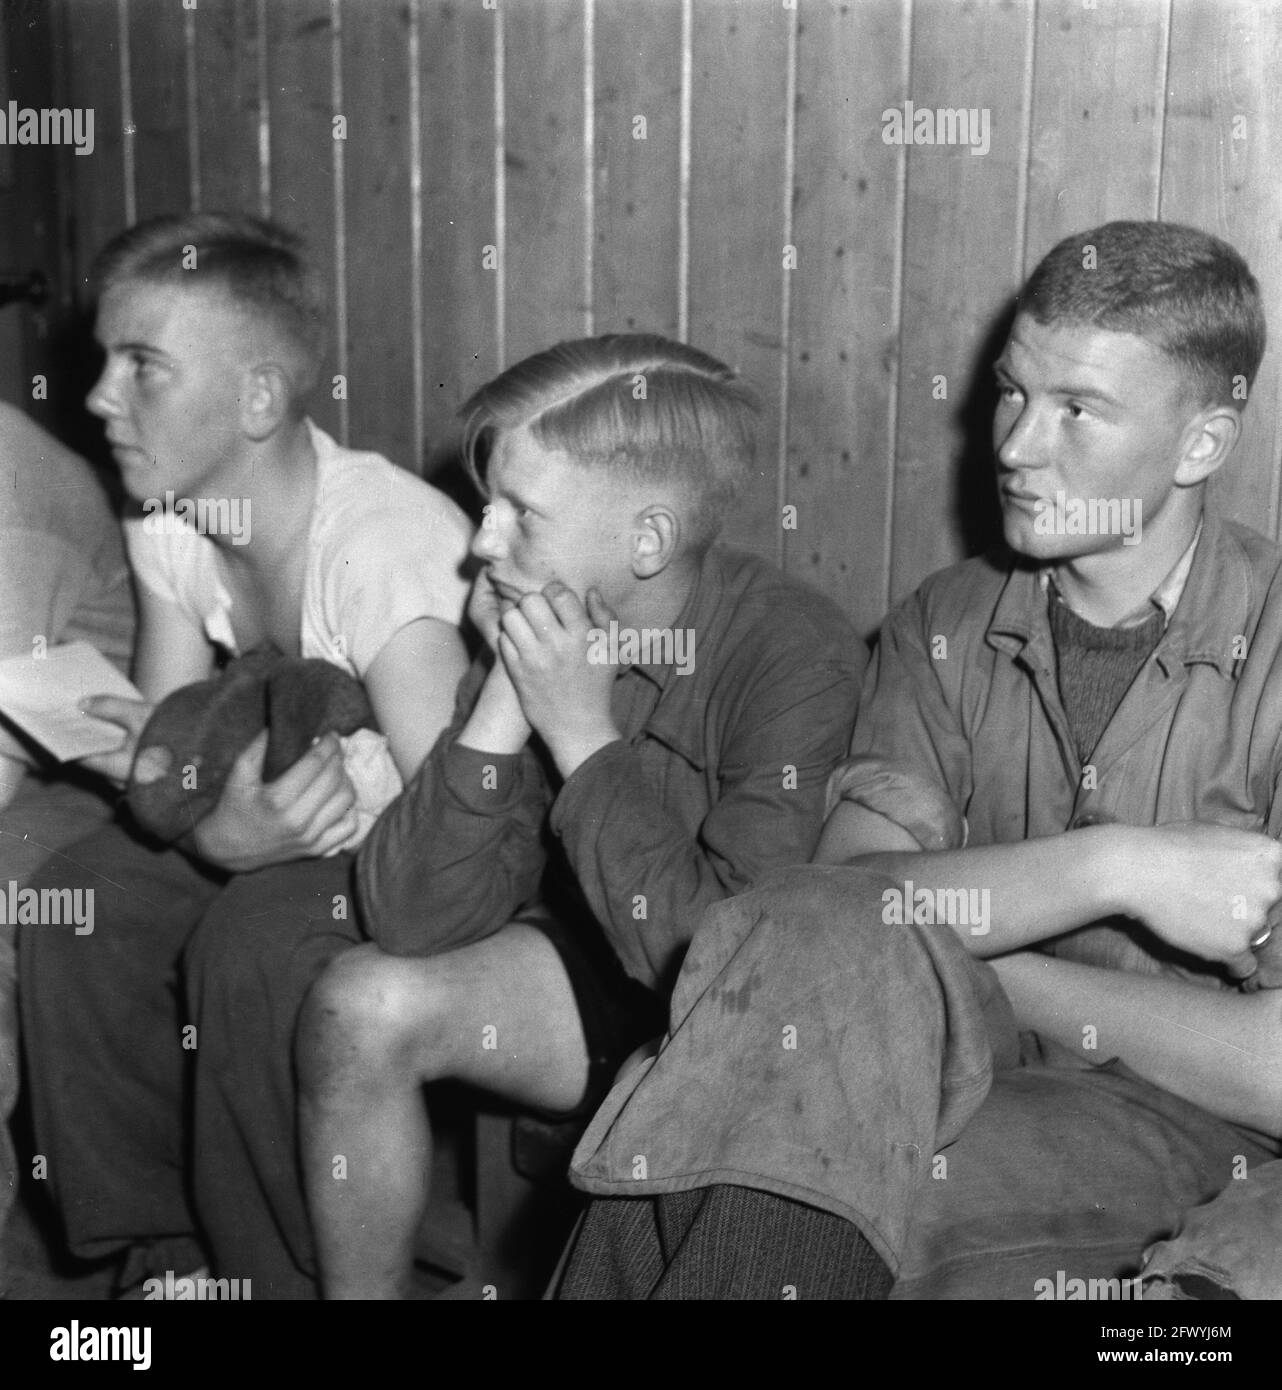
(1112, 857)
(497, 723)
(571, 749)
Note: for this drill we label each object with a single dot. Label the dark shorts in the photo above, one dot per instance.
(616, 1012)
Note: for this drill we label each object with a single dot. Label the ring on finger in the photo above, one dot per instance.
(1261, 938)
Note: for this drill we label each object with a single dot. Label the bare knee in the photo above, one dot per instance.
(371, 1019)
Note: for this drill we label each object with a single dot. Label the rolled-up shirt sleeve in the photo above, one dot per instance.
(453, 858)
(909, 756)
(916, 803)
(647, 879)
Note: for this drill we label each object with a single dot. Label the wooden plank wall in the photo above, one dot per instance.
(514, 125)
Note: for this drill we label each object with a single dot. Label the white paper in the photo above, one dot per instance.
(42, 696)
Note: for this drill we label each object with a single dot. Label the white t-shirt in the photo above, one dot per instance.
(384, 549)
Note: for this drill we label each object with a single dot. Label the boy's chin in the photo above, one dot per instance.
(1055, 549)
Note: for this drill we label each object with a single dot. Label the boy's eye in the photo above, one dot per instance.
(143, 365)
(1007, 392)
(1075, 411)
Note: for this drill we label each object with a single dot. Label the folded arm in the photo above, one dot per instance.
(460, 850)
(647, 877)
(1217, 1048)
(1205, 889)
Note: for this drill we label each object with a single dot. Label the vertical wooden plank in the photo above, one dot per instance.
(638, 77)
(15, 383)
(158, 74)
(963, 252)
(1097, 117)
(32, 181)
(89, 209)
(845, 311)
(227, 104)
(545, 206)
(1220, 172)
(302, 172)
(93, 80)
(736, 222)
(460, 345)
(379, 302)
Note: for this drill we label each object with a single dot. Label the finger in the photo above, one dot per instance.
(565, 604)
(599, 610)
(247, 770)
(131, 715)
(1242, 967)
(538, 613)
(1273, 917)
(315, 777)
(315, 813)
(324, 753)
(325, 816)
(338, 837)
(509, 654)
(516, 627)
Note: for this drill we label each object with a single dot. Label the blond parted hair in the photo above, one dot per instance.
(636, 406)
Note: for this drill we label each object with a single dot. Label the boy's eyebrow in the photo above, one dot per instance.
(1097, 393)
(130, 345)
(510, 494)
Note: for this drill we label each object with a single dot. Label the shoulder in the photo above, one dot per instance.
(771, 629)
(757, 595)
(158, 546)
(960, 596)
(1262, 556)
(367, 499)
(46, 483)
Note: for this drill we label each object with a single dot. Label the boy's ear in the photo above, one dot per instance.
(1208, 440)
(656, 537)
(265, 399)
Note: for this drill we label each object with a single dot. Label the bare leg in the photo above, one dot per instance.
(500, 1015)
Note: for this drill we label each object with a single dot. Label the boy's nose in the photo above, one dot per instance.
(101, 400)
(1020, 448)
(488, 544)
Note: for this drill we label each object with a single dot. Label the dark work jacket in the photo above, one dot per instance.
(718, 776)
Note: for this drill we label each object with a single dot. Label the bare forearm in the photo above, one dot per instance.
(1217, 1048)
(1028, 891)
(496, 724)
(12, 772)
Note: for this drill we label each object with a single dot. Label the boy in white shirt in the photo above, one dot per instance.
(211, 325)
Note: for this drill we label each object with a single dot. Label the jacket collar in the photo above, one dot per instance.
(1216, 603)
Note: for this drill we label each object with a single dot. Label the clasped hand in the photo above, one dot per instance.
(307, 812)
(542, 644)
(1211, 890)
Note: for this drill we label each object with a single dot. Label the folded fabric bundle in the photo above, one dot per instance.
(194, 736)
(1229, 1248)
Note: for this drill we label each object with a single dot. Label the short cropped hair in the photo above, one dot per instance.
(635, 405)
(1182, 290)
(258, 265)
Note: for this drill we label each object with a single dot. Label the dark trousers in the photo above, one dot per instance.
(159, 1056)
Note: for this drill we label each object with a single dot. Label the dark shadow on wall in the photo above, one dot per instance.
(975, 507)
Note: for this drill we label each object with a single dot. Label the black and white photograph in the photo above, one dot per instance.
(640, 659)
